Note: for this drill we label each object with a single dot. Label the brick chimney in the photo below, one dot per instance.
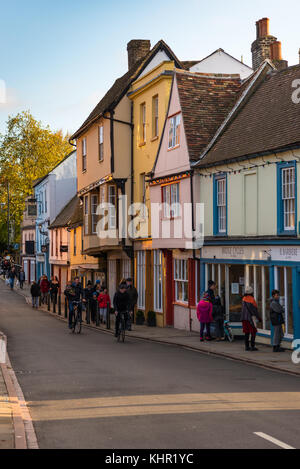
(137, 49)
(266, 47)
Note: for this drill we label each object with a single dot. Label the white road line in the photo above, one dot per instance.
(274, 441)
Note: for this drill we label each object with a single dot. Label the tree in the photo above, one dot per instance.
(28, 151)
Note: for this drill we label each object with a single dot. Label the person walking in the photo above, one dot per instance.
(133, 298)
(44, 286)
(211, 290)
(22, 278)
(250, 318)
(11, 278)
(35, 294)
(121, 306)
(88, 296)
(277, 320)
(104, 301)
(218, 316)
(205, 317)
(54, 289)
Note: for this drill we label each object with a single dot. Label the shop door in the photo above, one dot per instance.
(169, 288)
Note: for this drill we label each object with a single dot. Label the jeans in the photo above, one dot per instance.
(35, 301)
(118, 320)
(205, 325)
(71, 312)
(21, 284)
(103, 314)
(11, 283)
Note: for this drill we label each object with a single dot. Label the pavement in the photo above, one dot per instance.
(89, 391)
(265, 357)
(6, 414)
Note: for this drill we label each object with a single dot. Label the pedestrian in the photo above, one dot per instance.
(22, 278)
(277, 320)
(11, 277)
(218, 316)
(133, 297)
(250, 318)
(97, 286)
(44, 286)
(104, 303)
(204, 314)
(211, 290)
(35, 294)
(54, 289)
(69, 294)
(121, 306)
(88, 296)
(95, 306)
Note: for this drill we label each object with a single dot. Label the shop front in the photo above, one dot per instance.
(264, 268)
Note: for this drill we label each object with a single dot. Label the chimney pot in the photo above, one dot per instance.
(263, 27)
(276, 53)
(137, 49)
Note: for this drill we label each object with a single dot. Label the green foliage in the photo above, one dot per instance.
(28, 151)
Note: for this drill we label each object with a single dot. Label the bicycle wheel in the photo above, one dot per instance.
(78, 324)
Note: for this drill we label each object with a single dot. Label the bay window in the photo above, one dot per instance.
(171, 200)
(94, 206)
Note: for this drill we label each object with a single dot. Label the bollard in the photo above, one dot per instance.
(108, 316)
(66, 307)
(48, 301)
(59, 305)
(88, 312)
(97, 315)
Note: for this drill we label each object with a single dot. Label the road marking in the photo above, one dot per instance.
(274, 441)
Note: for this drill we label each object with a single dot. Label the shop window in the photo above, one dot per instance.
(284, 283)
(287, 198)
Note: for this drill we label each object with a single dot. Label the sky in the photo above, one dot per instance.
(59, 57)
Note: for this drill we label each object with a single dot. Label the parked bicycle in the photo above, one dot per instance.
(228, 332)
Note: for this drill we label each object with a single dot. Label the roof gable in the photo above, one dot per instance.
(221, 62)
(68, 214)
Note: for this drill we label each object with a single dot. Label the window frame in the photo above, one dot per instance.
(158, 280)
(216, 219)
(155, 116)
(112, 226)
(101, 143)
(174, 131)
(86, 214)
(280, 200)
(84, 154)
(94, 216)
(168, 211)
(143, 123)
(141, 278)
(183, 280)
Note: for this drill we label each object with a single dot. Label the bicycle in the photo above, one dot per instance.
(77, 319)
(228, 332)
(122, 328)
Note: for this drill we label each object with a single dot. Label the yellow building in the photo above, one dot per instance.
(86, 267)
(150, 96)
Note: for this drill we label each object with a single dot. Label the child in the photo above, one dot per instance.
(35, 294)
(204, 314)
(103, 299)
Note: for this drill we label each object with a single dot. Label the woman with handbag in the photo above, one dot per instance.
(250, 319)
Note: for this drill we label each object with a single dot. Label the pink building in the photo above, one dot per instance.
(28, 241)
(198, 105)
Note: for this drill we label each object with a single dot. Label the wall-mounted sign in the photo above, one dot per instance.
(32, 210)
(286, 253)
(44, 248)
(64, 248)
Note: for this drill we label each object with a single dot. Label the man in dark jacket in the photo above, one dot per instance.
(88, 296)
(133, 297)
(211, 290)
(277, 320)
(121, 306)
(22, 278)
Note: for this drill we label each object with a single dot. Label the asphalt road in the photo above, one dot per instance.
(90, 392)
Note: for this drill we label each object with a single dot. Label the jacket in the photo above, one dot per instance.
(22, 276)
(35, 290)
(218, 310)
(121, 302)
(133, 296)
(249, 310)
(44, 285)
(204, 311)
(276, 313)
(103, 299)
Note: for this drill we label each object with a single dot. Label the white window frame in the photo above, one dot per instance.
(94, 207)
(143, 123)
(155, 132)
(158, 281)
(181, 277)
(141, 279)
(288, 197)
(171, 200)
(84, 155)
(174, 131)
(101, 143)
(222, 205)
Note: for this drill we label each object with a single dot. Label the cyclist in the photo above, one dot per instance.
(121, 306)
(74, 293)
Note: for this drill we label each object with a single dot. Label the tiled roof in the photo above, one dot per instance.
(64, 218)
(205, 102)
(121, 86)
(267, 121)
